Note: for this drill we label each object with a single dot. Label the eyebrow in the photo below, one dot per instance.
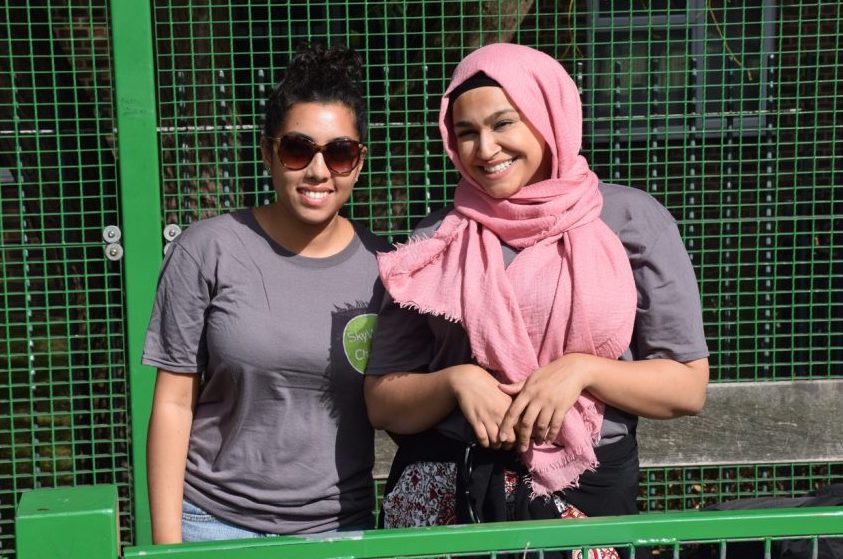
(313, 140)
(493, 116)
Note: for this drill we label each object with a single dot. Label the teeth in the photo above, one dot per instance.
(498, 168)
(314, 195)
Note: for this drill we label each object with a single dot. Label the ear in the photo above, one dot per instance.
(266, 152)
(359, 169)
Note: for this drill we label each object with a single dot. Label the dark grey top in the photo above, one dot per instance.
(668, 321)
(280, 441)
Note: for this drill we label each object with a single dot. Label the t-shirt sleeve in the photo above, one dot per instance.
(402, 341)
(175, 339)
(668, 323)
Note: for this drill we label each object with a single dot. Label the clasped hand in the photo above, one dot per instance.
(515, 415)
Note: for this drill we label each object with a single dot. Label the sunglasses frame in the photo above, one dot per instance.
(317, 148)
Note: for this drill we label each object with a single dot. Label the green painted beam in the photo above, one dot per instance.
(134, 76)
(68, 523)
(641, 530)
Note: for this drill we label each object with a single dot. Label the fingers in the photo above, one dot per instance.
(531, 419)
(516, 415)
(536, 424)
(511, 419)
(494, 436)
(541, 426)
(555, 426)
(481, 434)
(524, 428)
(487, 433)
(482, 404)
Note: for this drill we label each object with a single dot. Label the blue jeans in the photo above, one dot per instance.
(199, 526)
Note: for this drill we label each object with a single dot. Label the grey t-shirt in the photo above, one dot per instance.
(280, 440)
(668, 320)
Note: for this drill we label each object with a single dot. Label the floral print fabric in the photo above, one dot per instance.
(425, 495)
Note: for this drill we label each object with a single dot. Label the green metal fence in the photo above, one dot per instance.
(64, 413)
(729, 113)
(110, 129)
(48, 524)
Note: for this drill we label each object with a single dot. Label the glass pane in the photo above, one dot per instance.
(734, 56)
(643, 73)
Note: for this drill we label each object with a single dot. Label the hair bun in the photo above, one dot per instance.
(321, 75)
(319, 67)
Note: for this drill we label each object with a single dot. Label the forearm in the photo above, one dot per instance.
(167, 443)
(653, 388)
(407, 403)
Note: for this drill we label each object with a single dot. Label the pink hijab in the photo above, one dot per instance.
(569, 289)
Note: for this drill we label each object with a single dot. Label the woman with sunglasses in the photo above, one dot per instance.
(260, 333)
(532, 323)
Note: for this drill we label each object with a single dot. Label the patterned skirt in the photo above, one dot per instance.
(443, 492)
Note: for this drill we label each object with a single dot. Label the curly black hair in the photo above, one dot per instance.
(319, 75)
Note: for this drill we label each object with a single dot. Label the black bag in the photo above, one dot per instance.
(827, 548)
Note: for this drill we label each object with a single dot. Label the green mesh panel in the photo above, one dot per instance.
(714, 108)
(728, 113)
(690, 488)
(63, 392)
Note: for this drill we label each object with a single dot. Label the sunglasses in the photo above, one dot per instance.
(295, 152)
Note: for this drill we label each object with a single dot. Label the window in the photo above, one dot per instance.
(661, 66)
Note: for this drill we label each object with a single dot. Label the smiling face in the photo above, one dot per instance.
(499, 149)
(312, 196)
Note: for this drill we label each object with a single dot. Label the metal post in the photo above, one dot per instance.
(141, 213)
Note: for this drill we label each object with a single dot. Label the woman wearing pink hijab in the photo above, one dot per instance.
(532, 324)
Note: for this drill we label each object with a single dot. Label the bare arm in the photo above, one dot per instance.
(166, 453)
(408, 403)
(654, 388)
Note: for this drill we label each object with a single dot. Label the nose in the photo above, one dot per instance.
(487, 146)
(317, 170)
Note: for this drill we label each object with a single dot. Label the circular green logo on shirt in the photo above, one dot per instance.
(357, 340)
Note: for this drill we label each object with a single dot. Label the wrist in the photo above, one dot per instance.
(454, 376)
(586, 370)
(167, 534)
(457, 377)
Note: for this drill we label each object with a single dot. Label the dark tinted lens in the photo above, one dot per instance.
(295, 152)
(341, 156)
